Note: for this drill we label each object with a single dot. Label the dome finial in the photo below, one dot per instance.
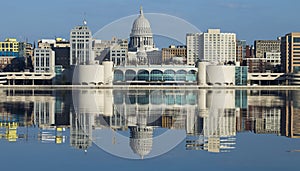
(141, 10)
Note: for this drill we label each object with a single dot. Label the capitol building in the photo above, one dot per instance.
(141, 48)
(136, 61)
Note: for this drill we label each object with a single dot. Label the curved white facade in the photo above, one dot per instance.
(220, 75)
(108, 72)
(93, 74)
(88, 75)
(202, 73)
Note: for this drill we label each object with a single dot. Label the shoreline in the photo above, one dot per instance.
(147, 87)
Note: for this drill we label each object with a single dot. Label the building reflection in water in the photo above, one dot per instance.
(210, 118)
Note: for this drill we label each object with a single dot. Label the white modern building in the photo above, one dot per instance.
(81, 45)
(218, 75)
(84, 70)
(44, 60)
(193, 47)
(217, 47)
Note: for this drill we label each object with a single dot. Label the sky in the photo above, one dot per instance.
(250, 20)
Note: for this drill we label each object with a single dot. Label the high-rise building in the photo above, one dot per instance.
(193, 47)
(290, 52)
(217, 47)
(81, 45)
(263, 46)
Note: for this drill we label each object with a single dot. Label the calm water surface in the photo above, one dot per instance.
(149, 130)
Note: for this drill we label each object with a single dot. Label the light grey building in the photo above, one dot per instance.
(115, 50)
(44, 60)
(118, 56)
(273, 58)
(81, 45)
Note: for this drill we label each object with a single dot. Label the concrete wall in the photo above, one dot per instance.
(88, 75)
(220, 75)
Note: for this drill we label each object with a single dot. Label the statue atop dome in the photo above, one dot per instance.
(141, 10)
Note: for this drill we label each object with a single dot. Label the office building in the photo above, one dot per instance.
(81, 45)
(174, 55)
(290, 52)
(61, 47)
(115, 50)
(10, 47)
(44, 60)
(193, 47)
(273, 58)
(263, 46)
(217, 47)
(118, 56)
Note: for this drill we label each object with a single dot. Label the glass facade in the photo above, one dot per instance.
(155, 75)
(241, 75)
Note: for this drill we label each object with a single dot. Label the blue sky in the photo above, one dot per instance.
(255, 19)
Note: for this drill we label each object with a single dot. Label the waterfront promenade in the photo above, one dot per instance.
(141, 87)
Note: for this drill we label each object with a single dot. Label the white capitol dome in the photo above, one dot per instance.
(141, 34)
(141, 26)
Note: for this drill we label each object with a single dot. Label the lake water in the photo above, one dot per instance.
(149, 129)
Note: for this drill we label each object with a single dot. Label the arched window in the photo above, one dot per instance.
(191, 76)
(143, 75)
(118, 75)
(181, 75)
(169, 75)
(130, 75)
(156, 75)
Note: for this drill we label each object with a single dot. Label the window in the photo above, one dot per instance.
(47, 62)
(296, 39)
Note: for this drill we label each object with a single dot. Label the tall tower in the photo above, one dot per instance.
(217, 47)
(81, 45)
(141, 34)
(193, 47)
